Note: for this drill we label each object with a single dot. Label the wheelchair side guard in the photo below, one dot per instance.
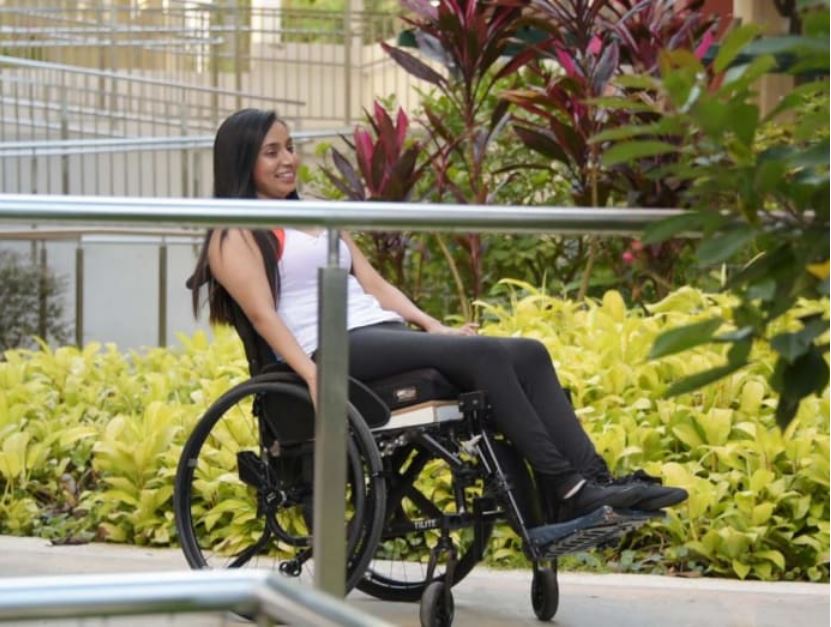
(602, 525)
(301, 428)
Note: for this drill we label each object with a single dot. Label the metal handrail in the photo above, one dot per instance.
(198, 7)
(198, 212)
(85, 146)
(100, 234)
(131, 78)
(252, 592)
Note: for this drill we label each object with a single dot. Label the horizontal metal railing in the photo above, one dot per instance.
(99, 146)
(260, 594)
(133, 78)
(195, 212)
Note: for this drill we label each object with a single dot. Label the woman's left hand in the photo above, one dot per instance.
(468, 328)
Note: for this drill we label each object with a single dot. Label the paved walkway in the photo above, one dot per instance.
(486, 597)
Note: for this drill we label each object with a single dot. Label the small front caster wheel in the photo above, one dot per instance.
(437, 606)
(545, 593)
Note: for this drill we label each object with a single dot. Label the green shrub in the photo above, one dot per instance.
(759, 499)
(89, 439)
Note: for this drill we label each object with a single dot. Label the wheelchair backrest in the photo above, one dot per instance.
(257, 351)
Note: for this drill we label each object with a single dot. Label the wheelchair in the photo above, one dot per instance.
(427, 481)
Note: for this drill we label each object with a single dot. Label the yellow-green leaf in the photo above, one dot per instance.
(762, 513)
(740, 568)
(772, 556)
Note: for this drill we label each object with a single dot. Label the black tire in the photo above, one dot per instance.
(545, 592)
(437, 607)
(214, 487)
(401, 579)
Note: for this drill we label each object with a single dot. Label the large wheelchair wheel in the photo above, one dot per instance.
(242, 499)
(420, 491)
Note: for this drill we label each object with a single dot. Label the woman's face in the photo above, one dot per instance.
(275, 173)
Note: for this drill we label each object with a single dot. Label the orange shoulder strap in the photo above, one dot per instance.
(280, 234)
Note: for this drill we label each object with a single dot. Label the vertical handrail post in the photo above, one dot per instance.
(43, 295)
(183, 122)
(328, 537)
(79, 295)
(65, 136)
(162, 294)
(236, 8)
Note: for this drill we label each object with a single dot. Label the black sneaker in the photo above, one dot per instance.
(593, 495)
(656, 496)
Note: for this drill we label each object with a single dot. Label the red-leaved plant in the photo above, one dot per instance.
(469, 38)
(593, 43)
(386, 160)
(388, 169)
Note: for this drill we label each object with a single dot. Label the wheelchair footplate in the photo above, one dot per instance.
(603, 525)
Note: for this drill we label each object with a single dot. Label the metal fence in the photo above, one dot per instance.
(101, 71)
(178, 165)
(90, 265)
(329, 61)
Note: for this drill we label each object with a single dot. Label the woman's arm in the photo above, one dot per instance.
(237, 264)
(393, 299)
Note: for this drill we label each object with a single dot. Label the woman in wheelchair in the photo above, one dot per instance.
(417, 492)
(254, 157)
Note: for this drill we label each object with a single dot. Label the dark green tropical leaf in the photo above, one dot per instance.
(743, 120)
(733, 44)
(630, 151)
(786, 409)
(816, 155)
(624, 132)
(736, 359)
(621, 104)
(765, 267)
(808, 374)
(763, 290)
(741, 77)
(683, 338)
(787, 43)
(700, 379)
(684, 224)
(792, 346)
(666, 125)
(723, 246)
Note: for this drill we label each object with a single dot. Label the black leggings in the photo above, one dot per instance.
(529, 405)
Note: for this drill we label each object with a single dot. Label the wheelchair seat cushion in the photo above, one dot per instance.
(414, 387)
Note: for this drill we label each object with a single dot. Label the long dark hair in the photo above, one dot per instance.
(236, 147)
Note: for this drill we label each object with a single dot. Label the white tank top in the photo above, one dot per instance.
(302, 255)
